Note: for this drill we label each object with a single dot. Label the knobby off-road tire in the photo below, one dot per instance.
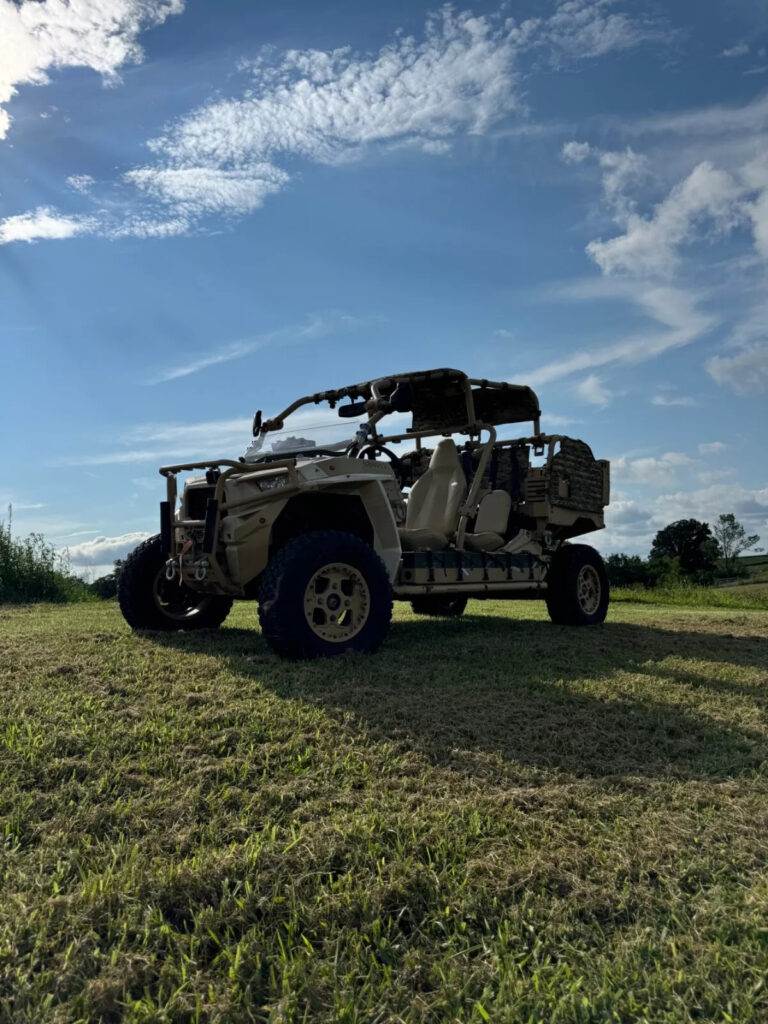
(441, 605)
(322, 594)
(149, 601)
(577, 587)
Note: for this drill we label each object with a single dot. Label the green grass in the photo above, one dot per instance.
(494, 819)
(743, 596)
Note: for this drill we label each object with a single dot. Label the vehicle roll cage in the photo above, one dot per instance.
(377, 394)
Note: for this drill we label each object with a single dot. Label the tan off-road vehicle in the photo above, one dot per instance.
(325, 535)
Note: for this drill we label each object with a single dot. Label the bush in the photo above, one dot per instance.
(627, 571)
(32, 570)
(105, 587)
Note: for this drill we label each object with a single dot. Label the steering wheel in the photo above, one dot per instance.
(370, 451)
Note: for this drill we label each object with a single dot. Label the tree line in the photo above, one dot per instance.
(686, 551)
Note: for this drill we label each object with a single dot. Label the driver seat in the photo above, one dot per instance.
(434, 502)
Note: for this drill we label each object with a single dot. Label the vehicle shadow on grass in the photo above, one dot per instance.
(488, 694)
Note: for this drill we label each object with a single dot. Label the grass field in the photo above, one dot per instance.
(738, 596)
(495, 819)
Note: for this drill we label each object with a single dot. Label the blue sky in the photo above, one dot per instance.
(209, 208)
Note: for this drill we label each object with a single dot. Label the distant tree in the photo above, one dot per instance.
(685, 547)
(732, 540)
(105, 587)
(626, 570)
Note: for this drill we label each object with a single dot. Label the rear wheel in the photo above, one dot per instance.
(150, 601)
(577, 587)
(322, 594)
(441, 605)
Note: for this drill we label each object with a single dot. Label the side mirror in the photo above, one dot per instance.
(257, 423)
(353, 410)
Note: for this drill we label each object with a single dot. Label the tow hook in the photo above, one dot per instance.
(173, 569)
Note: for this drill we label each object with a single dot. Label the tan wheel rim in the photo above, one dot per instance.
(589, 589)
(337, 602)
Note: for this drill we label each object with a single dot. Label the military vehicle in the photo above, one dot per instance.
(325, 535)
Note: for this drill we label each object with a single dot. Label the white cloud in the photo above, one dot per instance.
(554, 420)
(709, 502)
(708, 203)
(738, 50)
(582, 29)
(708, 196)
(328, 107)
(620, 168)
(81, 182)
(672, 308)
(631, 526)
(103, 550)
(146, 226)
(712, 447)
(592, 390)
(43, 222)
(671, 400)
(652, 471)
(713, 476)
(37, 35)
(746, 370)
(195, 190)
(575, 152)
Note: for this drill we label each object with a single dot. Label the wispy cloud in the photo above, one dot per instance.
(316, 325)
(674, 309)
(672, 400)
(716, 120)
(162, 443)
(38, 35)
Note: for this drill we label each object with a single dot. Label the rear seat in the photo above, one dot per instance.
(490, 523)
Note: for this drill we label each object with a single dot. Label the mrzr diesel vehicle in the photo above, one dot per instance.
(325, 534)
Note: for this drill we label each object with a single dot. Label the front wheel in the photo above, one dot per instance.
(150, 601)
(322, 594)
(577, 587)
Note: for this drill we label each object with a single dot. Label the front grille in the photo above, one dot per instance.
(196, 500)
